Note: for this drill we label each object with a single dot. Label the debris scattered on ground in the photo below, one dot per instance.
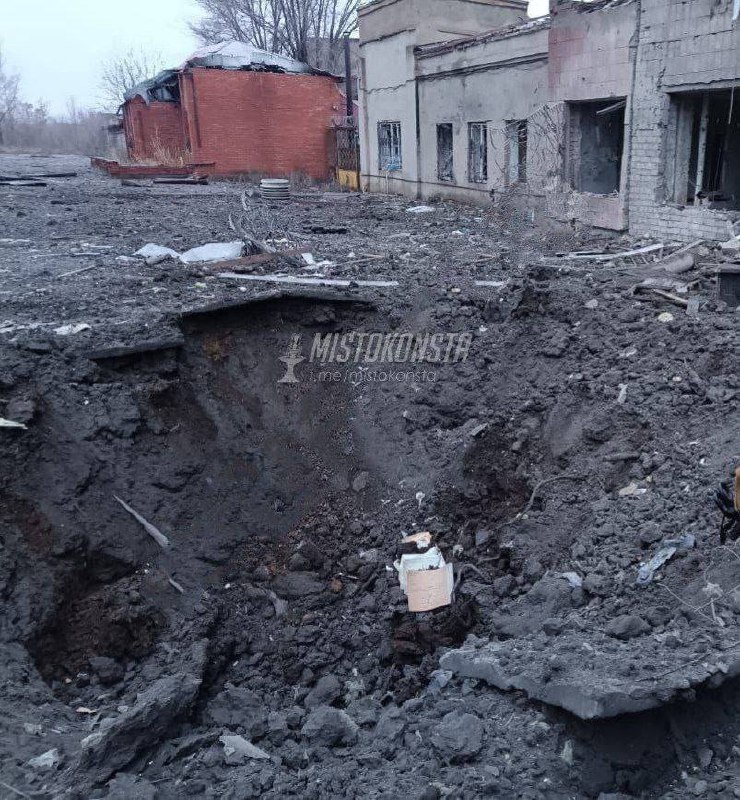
(153, 531)
(668, 549)
(290, 503)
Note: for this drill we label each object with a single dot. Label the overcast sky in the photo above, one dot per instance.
(58, 46)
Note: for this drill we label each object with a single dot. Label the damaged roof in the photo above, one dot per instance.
(223, 55)
(588, 6)
(239, 55)
(518, 29)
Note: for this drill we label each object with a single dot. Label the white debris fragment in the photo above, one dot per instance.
(413, 562)
(155, 253)
(420, 210)
(8, 423)
(622, 398)
(592, 304)
(71, 328)
(666, 316)
(308, 259)
(47, 760)
(239, 749)
(213, 251)
(573, 578)
(632, 490)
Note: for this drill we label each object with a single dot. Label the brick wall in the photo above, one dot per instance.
(260, 122)
(683, 45)
(152, 128)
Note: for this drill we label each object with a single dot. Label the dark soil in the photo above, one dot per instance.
(276, 614)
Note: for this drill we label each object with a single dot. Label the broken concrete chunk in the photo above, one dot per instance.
(71, 328)
(330, 727)
(47, 760)
(213, 251)
(237, 750)
(731, 245)
(155, 253)
(420, 210)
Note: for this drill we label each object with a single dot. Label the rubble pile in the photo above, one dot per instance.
(199, 523)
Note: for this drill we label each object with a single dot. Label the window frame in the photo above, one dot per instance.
(447, 177)
(389, 139)
(478, 173)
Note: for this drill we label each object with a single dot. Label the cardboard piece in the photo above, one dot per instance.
(430, 588)
(412, 562)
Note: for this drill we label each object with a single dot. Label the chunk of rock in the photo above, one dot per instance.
(329, 727)
(235, 707)
(297, 584)
(459, 736)
(121, 739)
(627, 626)
(325, 692)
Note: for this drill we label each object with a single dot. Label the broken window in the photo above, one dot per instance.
(704, 165)
(595, 145)
(478, 152)
(389, 146)
(516, 134)
(444, 152)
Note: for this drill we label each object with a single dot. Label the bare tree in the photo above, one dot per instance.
(9, 97)
(307, 30)
(123, 72)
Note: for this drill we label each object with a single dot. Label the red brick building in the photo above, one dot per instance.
(239, 108)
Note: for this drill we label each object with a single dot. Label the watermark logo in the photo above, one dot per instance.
(361, 357)
(292, 359)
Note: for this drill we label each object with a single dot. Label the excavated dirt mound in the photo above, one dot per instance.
(268, 650)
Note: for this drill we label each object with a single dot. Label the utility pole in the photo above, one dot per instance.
(348, 78)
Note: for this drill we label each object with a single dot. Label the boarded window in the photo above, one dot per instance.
(389, 146)
(516, 134)
(595, 145)
(478, 152)
(444, 152)
(704, 162)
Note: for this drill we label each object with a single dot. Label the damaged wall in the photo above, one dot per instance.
(592, 50)
(683, 47)
(260, 122)
(497, 80)
(389, 31)
(153, 130)
(242, 121)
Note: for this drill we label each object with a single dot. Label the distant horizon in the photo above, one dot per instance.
(59, 50)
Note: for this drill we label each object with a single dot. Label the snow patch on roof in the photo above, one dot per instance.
(239, 55)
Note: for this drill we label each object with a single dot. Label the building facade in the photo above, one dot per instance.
(614, 113)
(239, 110)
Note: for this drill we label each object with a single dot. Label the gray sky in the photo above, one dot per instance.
(58, 46)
